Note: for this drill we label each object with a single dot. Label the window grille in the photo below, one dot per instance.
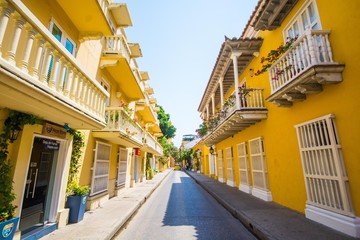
(324, 171)
(221, 165)
(229, 162)
(122, 167)
(258, 164)
(243, 164)
(100, 179)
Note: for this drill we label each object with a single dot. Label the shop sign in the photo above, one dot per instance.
(137, 152)
(54, 130)
(51, 144)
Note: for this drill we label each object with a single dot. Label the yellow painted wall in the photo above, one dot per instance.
(280, 139)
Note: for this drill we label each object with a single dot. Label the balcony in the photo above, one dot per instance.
(146, 110)
(304, 69)
(89, 17)
(151, 145)
(117, 59)
(40, 77)
(120, 128)
(236, 116)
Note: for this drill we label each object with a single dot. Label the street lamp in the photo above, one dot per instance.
(211, 150)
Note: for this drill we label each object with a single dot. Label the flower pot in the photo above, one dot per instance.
(77, 205)
(8, 228)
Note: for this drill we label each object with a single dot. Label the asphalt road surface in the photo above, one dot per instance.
(181, 209)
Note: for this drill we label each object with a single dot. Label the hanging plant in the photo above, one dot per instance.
(273, 56)
(15, 121)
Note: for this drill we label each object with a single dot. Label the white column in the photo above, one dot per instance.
(68, 81)
(55, 70)
(34, 71)
(60, 83)
(236, 79)
(46, 65)
(19, 24)
(221, 91)
(74, 84)
(207, 113)
(213, 104)
(5, 15)
(30, 40)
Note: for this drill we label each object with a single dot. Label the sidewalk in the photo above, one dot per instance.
(104, 222)
(267, 220)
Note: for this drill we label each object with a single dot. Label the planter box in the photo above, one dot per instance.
(77, 205)
(8, 228)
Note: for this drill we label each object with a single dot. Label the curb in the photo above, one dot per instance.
(135, 209)
(251, 226)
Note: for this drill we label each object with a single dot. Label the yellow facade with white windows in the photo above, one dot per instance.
(73, 69)
(290, 134)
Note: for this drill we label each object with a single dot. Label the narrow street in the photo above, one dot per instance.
(181, 209)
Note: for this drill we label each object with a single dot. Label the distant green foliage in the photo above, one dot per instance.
(166, 126)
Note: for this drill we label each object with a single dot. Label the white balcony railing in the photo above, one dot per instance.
(117, 45)
(28, 49)
(152, 143)
(310, 49)
(117, 119)
(249, 99)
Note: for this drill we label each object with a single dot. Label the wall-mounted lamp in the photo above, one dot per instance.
(211, 150)
(14, 133)
(251, 72)
(66, 126)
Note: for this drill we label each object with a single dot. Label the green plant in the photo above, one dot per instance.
(273, 56)
(202, 130)
(73, 187)
(15, 121)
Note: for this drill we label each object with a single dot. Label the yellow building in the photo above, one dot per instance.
(73, 69)
(288, 131)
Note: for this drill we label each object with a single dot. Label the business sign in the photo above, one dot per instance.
(51, 144)
(54, 130)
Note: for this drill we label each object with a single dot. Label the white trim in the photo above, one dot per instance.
(64, 35)
(230, 183)
(342, 223)
(245, 188)
(222, 180)
(297, 17)
(262, 194)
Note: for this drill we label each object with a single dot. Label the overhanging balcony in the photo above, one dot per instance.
(39, 76)
(151, 145)
(89, 16)
(236, 116)
(117, 59)
(145, 109)
(120, 128)
(304, 69)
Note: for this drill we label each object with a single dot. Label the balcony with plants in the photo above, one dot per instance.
(121, 128)
(302, 66)
(39, 76)
(235, 115)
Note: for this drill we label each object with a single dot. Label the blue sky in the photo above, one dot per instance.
(180, 42)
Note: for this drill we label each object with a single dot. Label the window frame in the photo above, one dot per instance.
(120, 174)
(64, 35)
(298, 18)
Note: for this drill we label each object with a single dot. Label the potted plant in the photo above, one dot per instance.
(76, 195)
(76, 201)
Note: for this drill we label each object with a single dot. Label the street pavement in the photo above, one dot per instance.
(267, 220)
(105, 222)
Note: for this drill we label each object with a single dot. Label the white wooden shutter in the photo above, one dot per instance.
(244, 168)
(230, 171)
(258, 163)
(100, 179)
(122, 166)
(221, 165)
(325, 176)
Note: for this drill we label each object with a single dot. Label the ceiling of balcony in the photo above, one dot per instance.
(224, 67)
(269, 14)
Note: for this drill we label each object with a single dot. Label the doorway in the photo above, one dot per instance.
(39, 184)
